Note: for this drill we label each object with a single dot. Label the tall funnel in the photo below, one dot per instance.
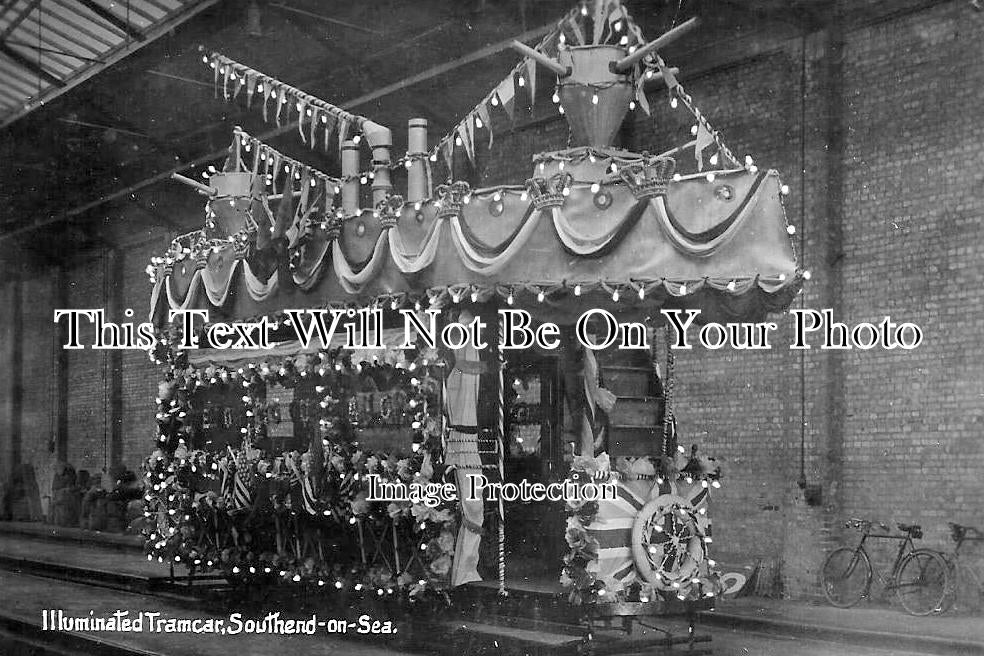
(594, 124)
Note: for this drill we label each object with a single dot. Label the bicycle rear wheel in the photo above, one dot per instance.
(923, 582)
(845, 576)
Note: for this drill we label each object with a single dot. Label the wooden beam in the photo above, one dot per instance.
(26, 63)
(114, 20)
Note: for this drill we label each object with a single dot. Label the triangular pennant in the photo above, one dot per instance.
(329, 123)
(315, 117)
(281, 101)
(467, 130)
(266, 100)
(599, 21)
(256, 156)
(301, 115)
(343, 128)
(531, 78)
(448, 150)
(226, 72)
(329, 194)
(575, 28)
(240, 83)
(704, 139)
(275, 172)
(250, 89)
(506, 93)
(216, 65)
(641, 94)
(668, 77)
(295, 227)
(483, 113)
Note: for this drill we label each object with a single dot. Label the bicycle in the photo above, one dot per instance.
(968, 589)
(919, 577)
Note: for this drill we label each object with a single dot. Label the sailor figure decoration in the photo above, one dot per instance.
(466, 385)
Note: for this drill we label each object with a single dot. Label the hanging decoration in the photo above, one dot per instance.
(317, 120)
(612, 26)
(303, 517)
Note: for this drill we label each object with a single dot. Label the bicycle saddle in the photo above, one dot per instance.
(915, 530)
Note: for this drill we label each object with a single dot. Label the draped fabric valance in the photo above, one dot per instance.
(717, 245)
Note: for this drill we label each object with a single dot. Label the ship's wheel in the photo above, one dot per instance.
(667, 542)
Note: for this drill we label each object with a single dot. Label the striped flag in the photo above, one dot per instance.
(298, 478)
(612, 527)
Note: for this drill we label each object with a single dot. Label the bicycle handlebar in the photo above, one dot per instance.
(961, 532)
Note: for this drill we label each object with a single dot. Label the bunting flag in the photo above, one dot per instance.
(250, 90)
(704, 139)
(297, 478)
(286, 174)
(668, 77)
(611, 24)
(324, 115)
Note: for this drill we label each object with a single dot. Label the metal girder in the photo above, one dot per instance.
(17, 20)
(113, 20)
(26, 63)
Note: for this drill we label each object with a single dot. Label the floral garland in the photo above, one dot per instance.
(302, 517)
(580, 570)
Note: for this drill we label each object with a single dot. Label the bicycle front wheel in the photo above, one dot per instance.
(845, 576)
(923, 582)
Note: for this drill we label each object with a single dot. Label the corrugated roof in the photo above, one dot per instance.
(49, 46)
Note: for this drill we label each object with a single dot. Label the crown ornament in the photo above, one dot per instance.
(389, 210)
(549, 192)
(451, 197)
(649, 177)
(334, 228)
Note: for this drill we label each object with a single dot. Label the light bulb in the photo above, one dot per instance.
(522, 81)
(577, 290)
(673, 103)
(642, 293)
(791, 229)
(509, 299)
(478, 122)
(539, 297)
(555, 98)
(560, 109)
(631, 105)
(693, 130)
(495, 101)
(615, 296)
(595, 188)
(594, 99)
